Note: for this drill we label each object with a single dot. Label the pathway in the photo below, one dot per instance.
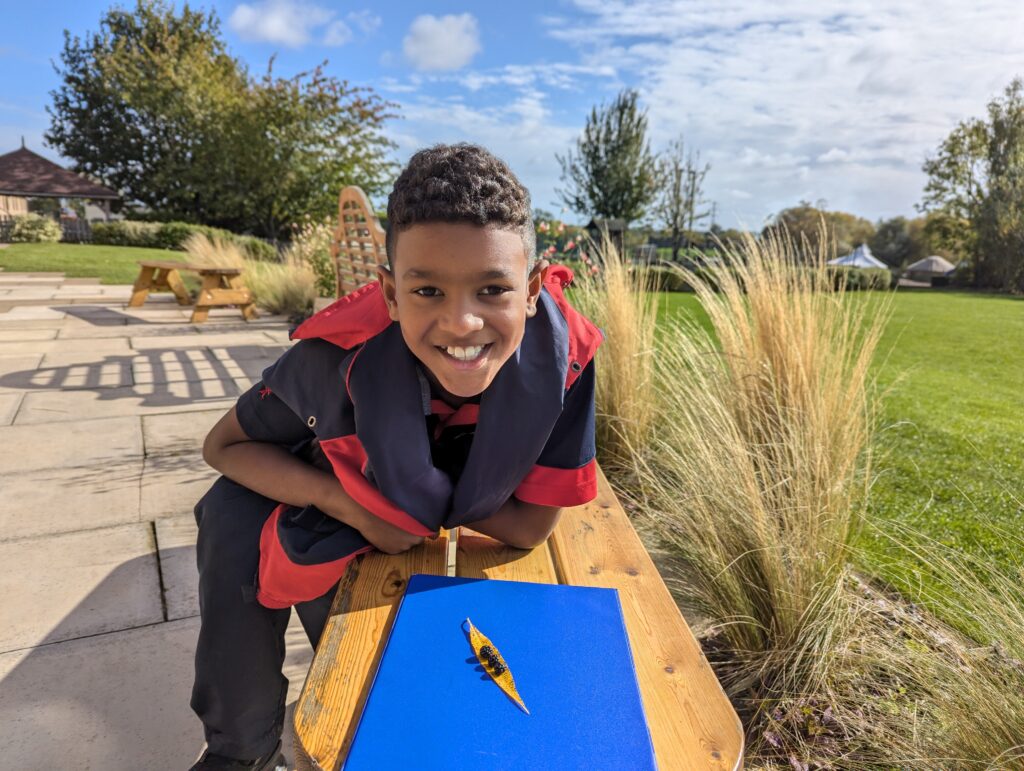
(102, 413)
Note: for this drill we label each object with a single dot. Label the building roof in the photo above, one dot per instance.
(861, 257)
(25, 173)
(614, 225)
(933, 264)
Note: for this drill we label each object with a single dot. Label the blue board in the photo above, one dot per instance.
(432, 707)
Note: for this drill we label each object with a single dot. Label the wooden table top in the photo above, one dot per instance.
(692, 723)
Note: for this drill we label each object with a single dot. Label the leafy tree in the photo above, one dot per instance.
(611, 173)
(680, 205)
(892, 243)
(155, 107)
(976, 181)
(804, 222)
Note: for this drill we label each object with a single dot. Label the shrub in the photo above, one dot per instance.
(33, 228)
(173, 235)
(312, 246)
(286, 286)
(860, 279)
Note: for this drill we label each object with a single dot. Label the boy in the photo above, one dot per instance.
(457, 389)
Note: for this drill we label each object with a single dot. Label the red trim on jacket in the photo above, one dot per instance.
(350, 320)
(584, 336)
(292, 582)
(466, 415)
(547, 486)
(347, 457)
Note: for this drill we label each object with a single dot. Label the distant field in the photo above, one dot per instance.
(950, 452)
(111, 264)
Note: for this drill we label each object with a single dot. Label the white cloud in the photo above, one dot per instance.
(294, 23)
(285, 22)
(365, 21)
(337, 34)
(442, 43)
(834, 155)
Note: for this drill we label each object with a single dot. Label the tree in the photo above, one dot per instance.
(679, 207)
(803, 223)
(891, 242)
(977, 180)
(612, 172)
(155, 107)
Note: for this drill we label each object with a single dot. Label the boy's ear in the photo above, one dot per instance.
(534, 282)
(386, 279)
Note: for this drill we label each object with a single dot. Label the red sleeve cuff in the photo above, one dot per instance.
(547, 486)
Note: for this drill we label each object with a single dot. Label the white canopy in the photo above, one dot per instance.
(861, 257)
(940, 266)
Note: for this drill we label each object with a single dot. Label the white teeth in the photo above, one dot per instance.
(464, 354)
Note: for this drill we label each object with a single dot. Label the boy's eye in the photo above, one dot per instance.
(427, 291)
(495, 290)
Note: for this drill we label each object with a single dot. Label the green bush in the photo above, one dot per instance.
(34, 229)
(857, 279)
(172, 235)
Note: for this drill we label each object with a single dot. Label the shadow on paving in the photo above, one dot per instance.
(176, 376)
(117, 699)
(100, 316)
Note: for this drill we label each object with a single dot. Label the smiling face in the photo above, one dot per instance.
(461, 294)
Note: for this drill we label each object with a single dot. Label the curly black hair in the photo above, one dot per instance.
(460, 183)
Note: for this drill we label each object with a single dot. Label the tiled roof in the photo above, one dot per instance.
(26, 174)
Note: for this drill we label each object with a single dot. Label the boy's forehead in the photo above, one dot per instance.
(458, 250)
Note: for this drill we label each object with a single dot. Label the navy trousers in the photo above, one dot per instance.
(240, 692)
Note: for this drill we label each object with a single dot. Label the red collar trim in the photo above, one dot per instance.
(350, 321)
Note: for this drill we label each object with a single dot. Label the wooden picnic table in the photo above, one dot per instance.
(220, 287)
(692, 723)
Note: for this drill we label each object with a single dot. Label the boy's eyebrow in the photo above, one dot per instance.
(485, 276)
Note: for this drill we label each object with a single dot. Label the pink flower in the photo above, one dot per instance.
(551, 249)
(593, 270)
(543, 227)
(570, 245)
(561, 227)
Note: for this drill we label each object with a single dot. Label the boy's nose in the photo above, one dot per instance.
(461, 321)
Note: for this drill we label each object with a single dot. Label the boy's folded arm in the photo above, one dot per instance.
(519, 524)
(271, 470)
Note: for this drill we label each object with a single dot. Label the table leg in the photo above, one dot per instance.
(248, 309)
(207, 292)
(176, 285)
(141, 288)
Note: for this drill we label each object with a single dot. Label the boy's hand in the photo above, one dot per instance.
(386, 537)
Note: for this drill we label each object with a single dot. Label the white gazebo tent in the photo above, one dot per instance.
(929, 268)
(861, 257)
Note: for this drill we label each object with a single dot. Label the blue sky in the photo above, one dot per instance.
(823, 100)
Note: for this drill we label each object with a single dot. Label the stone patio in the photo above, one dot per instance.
(102, 413)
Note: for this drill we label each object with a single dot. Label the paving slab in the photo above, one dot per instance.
(181, 432)
(9, 404)
(81, 498)
(69, 444)
(207, 340)
(32, 313)
(104, 346)
(60, 587)
(29, 323)
(50, 406)
(117, 701)
(26, 335)
(176, 544)
(173, 484)
(81, 330)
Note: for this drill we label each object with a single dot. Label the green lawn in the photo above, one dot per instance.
(111, 264)
(950, 450)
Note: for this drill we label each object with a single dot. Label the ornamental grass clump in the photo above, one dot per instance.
(748, 473)
(286, 286)
(618, 298)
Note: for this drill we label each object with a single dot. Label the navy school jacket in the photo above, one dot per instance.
(353, 385)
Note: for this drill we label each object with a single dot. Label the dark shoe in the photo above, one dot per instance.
(272, 761)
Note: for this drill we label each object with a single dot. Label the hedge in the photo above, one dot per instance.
(172, 235)
(862, 278)
(34, 229)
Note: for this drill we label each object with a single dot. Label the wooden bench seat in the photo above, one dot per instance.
(692, 723)
(220, 287)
